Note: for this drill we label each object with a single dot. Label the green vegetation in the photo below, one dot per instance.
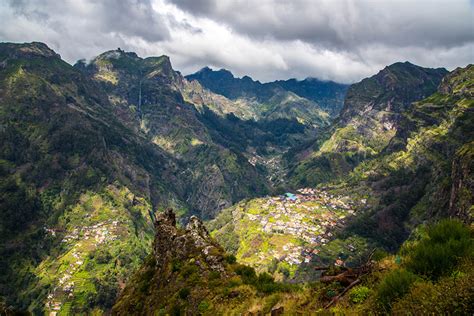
(91, 155)
(367, 125)
(289, 238)
(446, 243)
(359, 294)
(420, 285)
(309, 101)
(67, 164)
(393, 286)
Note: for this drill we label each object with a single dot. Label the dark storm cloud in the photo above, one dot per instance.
(127, 17)
(83, 28)
(345, 24)
(341, 40)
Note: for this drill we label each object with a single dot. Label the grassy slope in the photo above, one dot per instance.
(368, 122)
(288, 239)
(67, 164)
(404, 283)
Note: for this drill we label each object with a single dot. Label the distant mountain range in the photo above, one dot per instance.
(327, 95)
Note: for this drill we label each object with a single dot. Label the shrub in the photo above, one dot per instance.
(379, 255)
(359, 294)
(188, 270)
(284, 271)
(439, 253)
(393, 286)
(176, 265)
(204, 306)
(447, 296)
(247, 274)
(265, 283)
(230, 259)
(214, 275)
(101, 256)
(184, 293)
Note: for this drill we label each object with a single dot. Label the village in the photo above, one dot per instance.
(83, 240)
(308, 218)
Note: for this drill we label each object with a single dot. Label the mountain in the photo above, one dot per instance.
(311, 101)
(77, 186)
(418, 177)
(224, 83)
(328, 94)
(188, 273)
(366, 125)
(423, 175)
(92, 155)
(147, 96)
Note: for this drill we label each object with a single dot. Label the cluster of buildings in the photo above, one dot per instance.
(86, 237)
(100, 232)
(310, 216)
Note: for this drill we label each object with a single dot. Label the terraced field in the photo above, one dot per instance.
(98, 229)
(290, 235)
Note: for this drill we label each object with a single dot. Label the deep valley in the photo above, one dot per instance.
(127, 188)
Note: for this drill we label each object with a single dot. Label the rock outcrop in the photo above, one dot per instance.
(462, 188)
(192, 243)
(185, 268)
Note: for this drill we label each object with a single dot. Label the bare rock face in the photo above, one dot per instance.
(193, 243)
(461, 199)
(165, 236)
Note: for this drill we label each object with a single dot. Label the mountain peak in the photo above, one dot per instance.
(392, 89)
(224, 72)
(407, 66)
(116, 54)
(26, 50)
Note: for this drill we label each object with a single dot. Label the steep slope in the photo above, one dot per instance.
(183, 271)
(223, 82)
(310, 101)
(328, 94)
(190, 274)
(193, 92)
(367, 123)
(147, 95)
(424, 174)
(77, 187)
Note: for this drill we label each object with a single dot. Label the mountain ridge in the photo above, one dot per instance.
(366, 124)
(92, 155)
(326, 95)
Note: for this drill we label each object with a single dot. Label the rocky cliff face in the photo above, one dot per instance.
(174, 244)
(369, 120)
(393, 89)
(178, 274)
(149, 97)
(426, 176)
(462, 188)
(460, 85)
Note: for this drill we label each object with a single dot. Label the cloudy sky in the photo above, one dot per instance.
(341, 40)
